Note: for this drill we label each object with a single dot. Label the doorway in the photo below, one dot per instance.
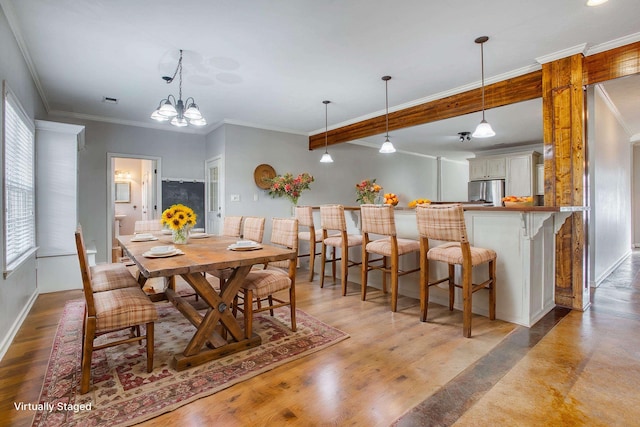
(133, 194)
(214, 195)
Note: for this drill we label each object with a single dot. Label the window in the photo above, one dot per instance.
(19, 183)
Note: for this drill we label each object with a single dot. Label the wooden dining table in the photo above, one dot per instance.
(218, 333)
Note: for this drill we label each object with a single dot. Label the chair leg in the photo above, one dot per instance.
(248, 313)
(424, 285)
(312, 258)
(270, 298)
(333, 263)
(89, 335)
(394, 284)
(467, 292)
(323, 260)
(292, 305)
(149, 346)
(452, 286)
(384, 274)
(344, 268)
(364, 270)
(492, 290)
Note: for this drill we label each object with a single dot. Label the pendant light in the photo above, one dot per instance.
(326, 157)
(484, 128)
(387, 147)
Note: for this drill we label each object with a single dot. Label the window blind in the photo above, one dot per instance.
(19, 188)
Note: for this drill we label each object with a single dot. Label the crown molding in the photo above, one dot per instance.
(9, 13)
(376, 147)
(258, 126)
(601, 91)
(570, 51)
(612, 44)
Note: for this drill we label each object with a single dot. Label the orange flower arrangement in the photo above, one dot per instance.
(367, 190)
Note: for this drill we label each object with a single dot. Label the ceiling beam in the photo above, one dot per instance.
(612, 64)
(510, 91)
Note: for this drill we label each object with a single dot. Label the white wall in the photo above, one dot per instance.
(18, 291)
(610, 188)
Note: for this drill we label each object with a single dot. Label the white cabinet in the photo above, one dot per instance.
(540, 179)
(521, 170)
(487, 168)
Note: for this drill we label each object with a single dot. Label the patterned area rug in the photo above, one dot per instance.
(123, 393)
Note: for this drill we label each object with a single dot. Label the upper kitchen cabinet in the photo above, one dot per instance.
(481, 168)
(521, 174)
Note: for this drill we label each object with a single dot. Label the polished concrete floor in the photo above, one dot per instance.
(571, 369)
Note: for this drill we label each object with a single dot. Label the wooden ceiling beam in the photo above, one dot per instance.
(611, 64)
(510, 91)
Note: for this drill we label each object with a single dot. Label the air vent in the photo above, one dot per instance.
(108, 100)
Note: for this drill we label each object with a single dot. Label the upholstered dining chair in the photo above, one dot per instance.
(231, 226)
(106, 277)
(333, 221)
(304, 214)
(446, 223)
(253, 228)
(147, 225)
(261, 285)
(380, 220)
(113, 310)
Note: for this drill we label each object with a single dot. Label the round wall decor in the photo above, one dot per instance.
(263, 174)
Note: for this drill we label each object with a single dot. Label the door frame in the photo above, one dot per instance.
(221, 191)
(111, 186)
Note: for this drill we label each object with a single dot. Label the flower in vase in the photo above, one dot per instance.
(367, 190)
(289, 186)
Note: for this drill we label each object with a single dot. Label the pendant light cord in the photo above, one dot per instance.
(326, 125)
(386, 90)
(482, 68)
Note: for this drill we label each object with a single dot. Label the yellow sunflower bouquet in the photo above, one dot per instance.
(180, 219)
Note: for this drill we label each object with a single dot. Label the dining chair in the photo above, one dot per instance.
(380, 220)
(304, 214)
(253, 228)
(446, 223)
(261, 285)
(109, 311)
(231, 226)
(332, 220)
(109, 276)
(146, 226)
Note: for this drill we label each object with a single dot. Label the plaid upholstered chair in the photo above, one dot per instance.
(261, 285)
(446, 223)
(332, 220)
(304, 215)
(113, 310)
(147, 225)
(106, 277)
(379, 220)
(253, 228)
(231, 226)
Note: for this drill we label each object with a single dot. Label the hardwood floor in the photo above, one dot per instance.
(392, 363)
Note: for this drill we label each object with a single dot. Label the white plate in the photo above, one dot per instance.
(161, 250)
(198, 235)
(165, 231)
(241, 243)
(143, 239)
(164, 255)
(236, 247)
(198, 230)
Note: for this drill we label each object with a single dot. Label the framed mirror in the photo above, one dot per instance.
(123, 192)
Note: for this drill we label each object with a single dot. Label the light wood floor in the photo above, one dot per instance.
(390, 364)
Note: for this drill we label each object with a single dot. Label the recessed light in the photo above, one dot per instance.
(109, 100)
(596, 2)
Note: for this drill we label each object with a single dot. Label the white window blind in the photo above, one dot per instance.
(19, 188)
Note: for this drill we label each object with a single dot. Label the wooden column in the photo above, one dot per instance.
(564, 124)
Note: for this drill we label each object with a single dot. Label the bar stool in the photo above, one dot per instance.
(304, 214)
(446, 223)
(379, 219)
(332, 219)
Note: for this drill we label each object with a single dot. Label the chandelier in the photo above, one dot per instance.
(387, 146)
(170, 109)
(484, 129)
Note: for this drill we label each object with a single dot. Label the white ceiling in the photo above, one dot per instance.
(271, 64)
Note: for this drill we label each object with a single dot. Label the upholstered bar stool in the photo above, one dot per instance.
(379, 219)
(446, 223)
(304, 214)
(332, 220)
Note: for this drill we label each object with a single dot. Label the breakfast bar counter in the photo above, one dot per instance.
(524, 240)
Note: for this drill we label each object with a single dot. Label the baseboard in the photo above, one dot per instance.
(8, 339)
(609, 270)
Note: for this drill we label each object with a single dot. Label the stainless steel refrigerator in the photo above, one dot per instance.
(490, 191)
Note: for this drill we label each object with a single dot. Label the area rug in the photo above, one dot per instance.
(123, 393)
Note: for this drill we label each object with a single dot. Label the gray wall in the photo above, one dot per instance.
(610, 159)
(20, 287)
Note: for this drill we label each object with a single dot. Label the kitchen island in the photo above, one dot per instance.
(524, 240)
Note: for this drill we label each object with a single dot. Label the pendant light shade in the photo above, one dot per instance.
(326, 157)
(387, 147)
(484, 129)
